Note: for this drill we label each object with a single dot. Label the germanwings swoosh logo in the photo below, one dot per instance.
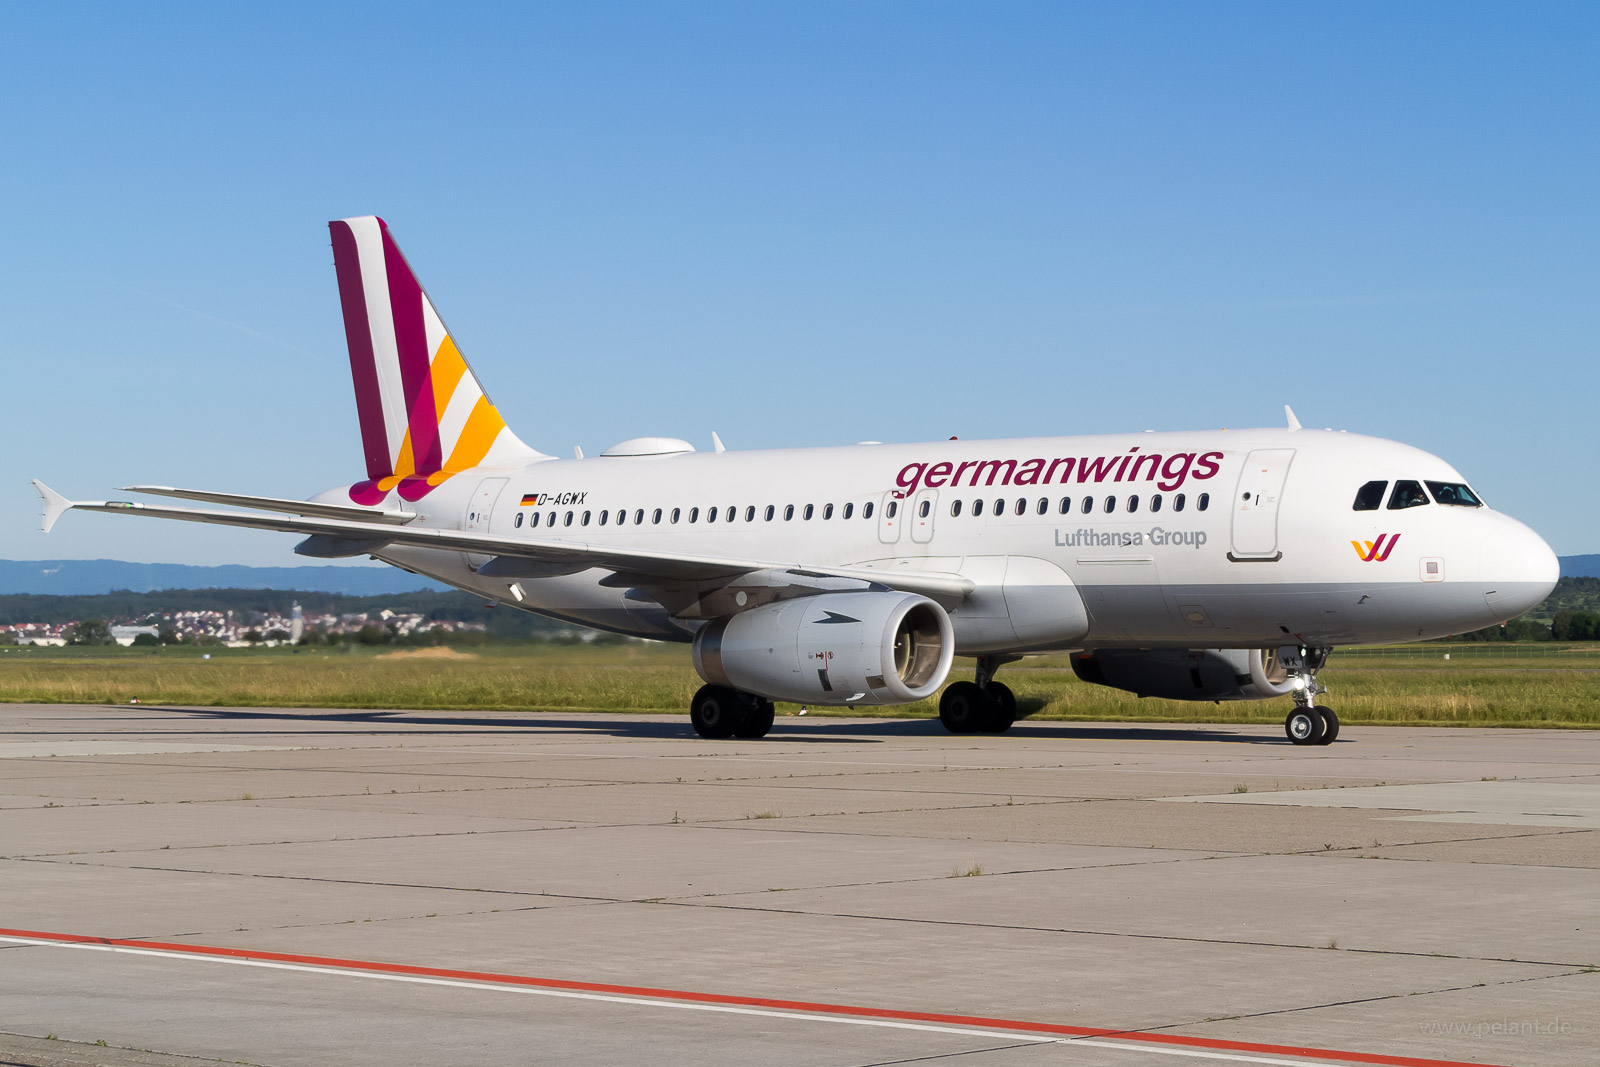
(1378, 550)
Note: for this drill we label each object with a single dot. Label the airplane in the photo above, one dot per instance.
(1195, 565)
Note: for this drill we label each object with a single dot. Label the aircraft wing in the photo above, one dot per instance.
(354, 512)
(371, 536)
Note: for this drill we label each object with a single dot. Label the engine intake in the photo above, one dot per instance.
(836, 648)
(1193, 674)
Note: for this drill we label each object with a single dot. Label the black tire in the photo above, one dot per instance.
(716, 711)
(1304, 726)
(1330, 726)
(1002, 709)
(757, 720)
(963, 708)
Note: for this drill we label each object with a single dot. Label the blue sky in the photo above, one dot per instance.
(799, 223)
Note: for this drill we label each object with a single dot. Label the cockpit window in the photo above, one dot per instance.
(1370, 496)
(1455, 494)
(1407, 494)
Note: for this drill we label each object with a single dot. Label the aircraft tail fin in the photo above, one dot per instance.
(424, 414)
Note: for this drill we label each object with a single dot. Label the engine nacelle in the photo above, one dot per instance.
(836, 648)
(1193, 674)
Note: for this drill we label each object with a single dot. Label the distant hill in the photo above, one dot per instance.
(1580, 566)
(90, 577)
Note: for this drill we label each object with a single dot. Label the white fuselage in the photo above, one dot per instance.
(1210, 539)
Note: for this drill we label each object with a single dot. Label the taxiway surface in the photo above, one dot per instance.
(320, 887)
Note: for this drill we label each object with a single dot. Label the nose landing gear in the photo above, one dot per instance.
(1310, 723)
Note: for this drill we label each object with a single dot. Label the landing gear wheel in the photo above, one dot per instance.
(1304, 726)
(1330, 725)
(1002, 709)
(757, 720)
(963, 708)
(716, 711)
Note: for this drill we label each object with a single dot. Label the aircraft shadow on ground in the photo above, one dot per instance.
(816, 730)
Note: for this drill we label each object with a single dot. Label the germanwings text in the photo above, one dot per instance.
(1168, 472)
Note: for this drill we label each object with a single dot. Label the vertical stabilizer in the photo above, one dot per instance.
(424, 415)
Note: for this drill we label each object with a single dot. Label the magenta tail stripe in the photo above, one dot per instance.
(411, 340)
(358, 335)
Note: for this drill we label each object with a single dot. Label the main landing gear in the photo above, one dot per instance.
(719, 712)
(984, 706)
(1308, 723)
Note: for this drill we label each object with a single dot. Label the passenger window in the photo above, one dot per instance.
(1177, 502)
(568, 521)
(1454, 494)
(622, 516)
(893, 509)
(711, 514)
(807, 513)
(1133, 503)
(1088, 504)
(955, 509)
(1111, 504)
(827, 511)
(1407, 494)
(1044, 506)
(1022, 506)
(1066, 505)
(533, 520)
(638, 517)
(1369, 496)
(866, 510)
(603, 515)
(675, 513)
(927, 506)
(977, 508)
(657, 518)
(694, 514)
(1155, 502)
(750, 513)
(586, 515)
(1202, 501)
(849, 509)
(788, 512)
(518, 522)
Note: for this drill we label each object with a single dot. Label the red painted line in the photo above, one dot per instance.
(688, 996)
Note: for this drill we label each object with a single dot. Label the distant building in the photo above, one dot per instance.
(124, 635)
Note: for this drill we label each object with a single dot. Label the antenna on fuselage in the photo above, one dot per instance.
(716, 442)
(1294, 423)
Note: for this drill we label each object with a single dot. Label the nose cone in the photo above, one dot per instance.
(1519, 570)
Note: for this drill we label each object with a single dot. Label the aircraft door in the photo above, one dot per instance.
(920, 514)
(480, 509)
(1255, 504)
(890, 517)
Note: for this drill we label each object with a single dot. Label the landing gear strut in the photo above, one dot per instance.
(719, 712)
(1309, 723)
(984, 706)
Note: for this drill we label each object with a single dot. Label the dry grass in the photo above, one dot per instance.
(1504, 686)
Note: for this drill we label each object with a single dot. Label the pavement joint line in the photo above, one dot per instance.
(939, 1055)
(709, 902)
(1022, 1031)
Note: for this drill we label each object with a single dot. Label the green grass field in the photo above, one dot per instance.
(1478, 685)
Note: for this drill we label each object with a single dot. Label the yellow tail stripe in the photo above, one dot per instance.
(446, 371)
(483, 426)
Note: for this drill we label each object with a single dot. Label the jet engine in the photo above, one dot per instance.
(836, 648)
(1193, 674)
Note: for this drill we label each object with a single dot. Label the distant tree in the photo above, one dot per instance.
(170, 636)
(91, 632)
(253, 636)
(277, 635)
(1525, 629)
(147, 640)
(371, 635)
